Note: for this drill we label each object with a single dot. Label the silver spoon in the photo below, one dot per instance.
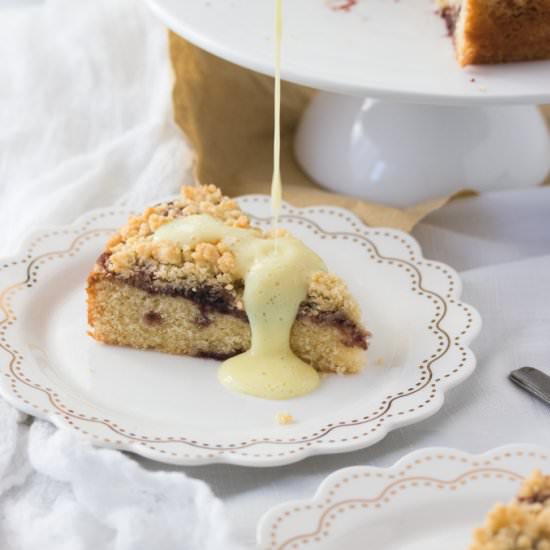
(532, 380)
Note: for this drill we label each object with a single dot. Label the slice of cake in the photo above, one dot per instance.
(523, 524)
(496, 31)
(150, 293)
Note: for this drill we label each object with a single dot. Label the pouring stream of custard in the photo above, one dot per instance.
(276, 276)
(276, 184)
(276, 273)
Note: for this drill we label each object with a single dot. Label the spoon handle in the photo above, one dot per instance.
(532, 380)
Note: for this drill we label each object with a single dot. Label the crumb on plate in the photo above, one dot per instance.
(284, 418)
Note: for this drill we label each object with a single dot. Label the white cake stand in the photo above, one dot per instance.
(398, 121)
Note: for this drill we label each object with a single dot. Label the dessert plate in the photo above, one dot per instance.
(430, 499)
(375, 48)
(173, 409)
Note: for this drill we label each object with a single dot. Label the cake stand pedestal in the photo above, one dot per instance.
(427, 128)
(404, 153)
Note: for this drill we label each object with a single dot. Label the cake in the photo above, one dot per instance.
(523, 524)
(154, 294)
(496, 31)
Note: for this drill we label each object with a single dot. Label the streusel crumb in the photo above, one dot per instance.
(534, 486)
(330, 293)
(132, 253)
(523, 524)
(133, 248)
(285, 418)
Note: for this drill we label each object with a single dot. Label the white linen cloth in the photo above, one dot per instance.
(85, 112)
(58, 492)
(85, 121)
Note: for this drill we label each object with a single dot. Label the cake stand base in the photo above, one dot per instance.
(404, 153)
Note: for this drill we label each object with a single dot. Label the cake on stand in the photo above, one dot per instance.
(397, 121)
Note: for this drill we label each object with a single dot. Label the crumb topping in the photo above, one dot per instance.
(285, 418)
(132, 254)
(330, 293)
(535, 488)
(523, 524)
(133, 246)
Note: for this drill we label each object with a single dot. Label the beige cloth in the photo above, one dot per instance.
(226, 112)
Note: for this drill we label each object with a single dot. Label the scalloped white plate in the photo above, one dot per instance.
(172, 409)
(429, 500)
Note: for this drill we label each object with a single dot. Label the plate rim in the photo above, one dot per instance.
(65, 420)
(276, 514)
